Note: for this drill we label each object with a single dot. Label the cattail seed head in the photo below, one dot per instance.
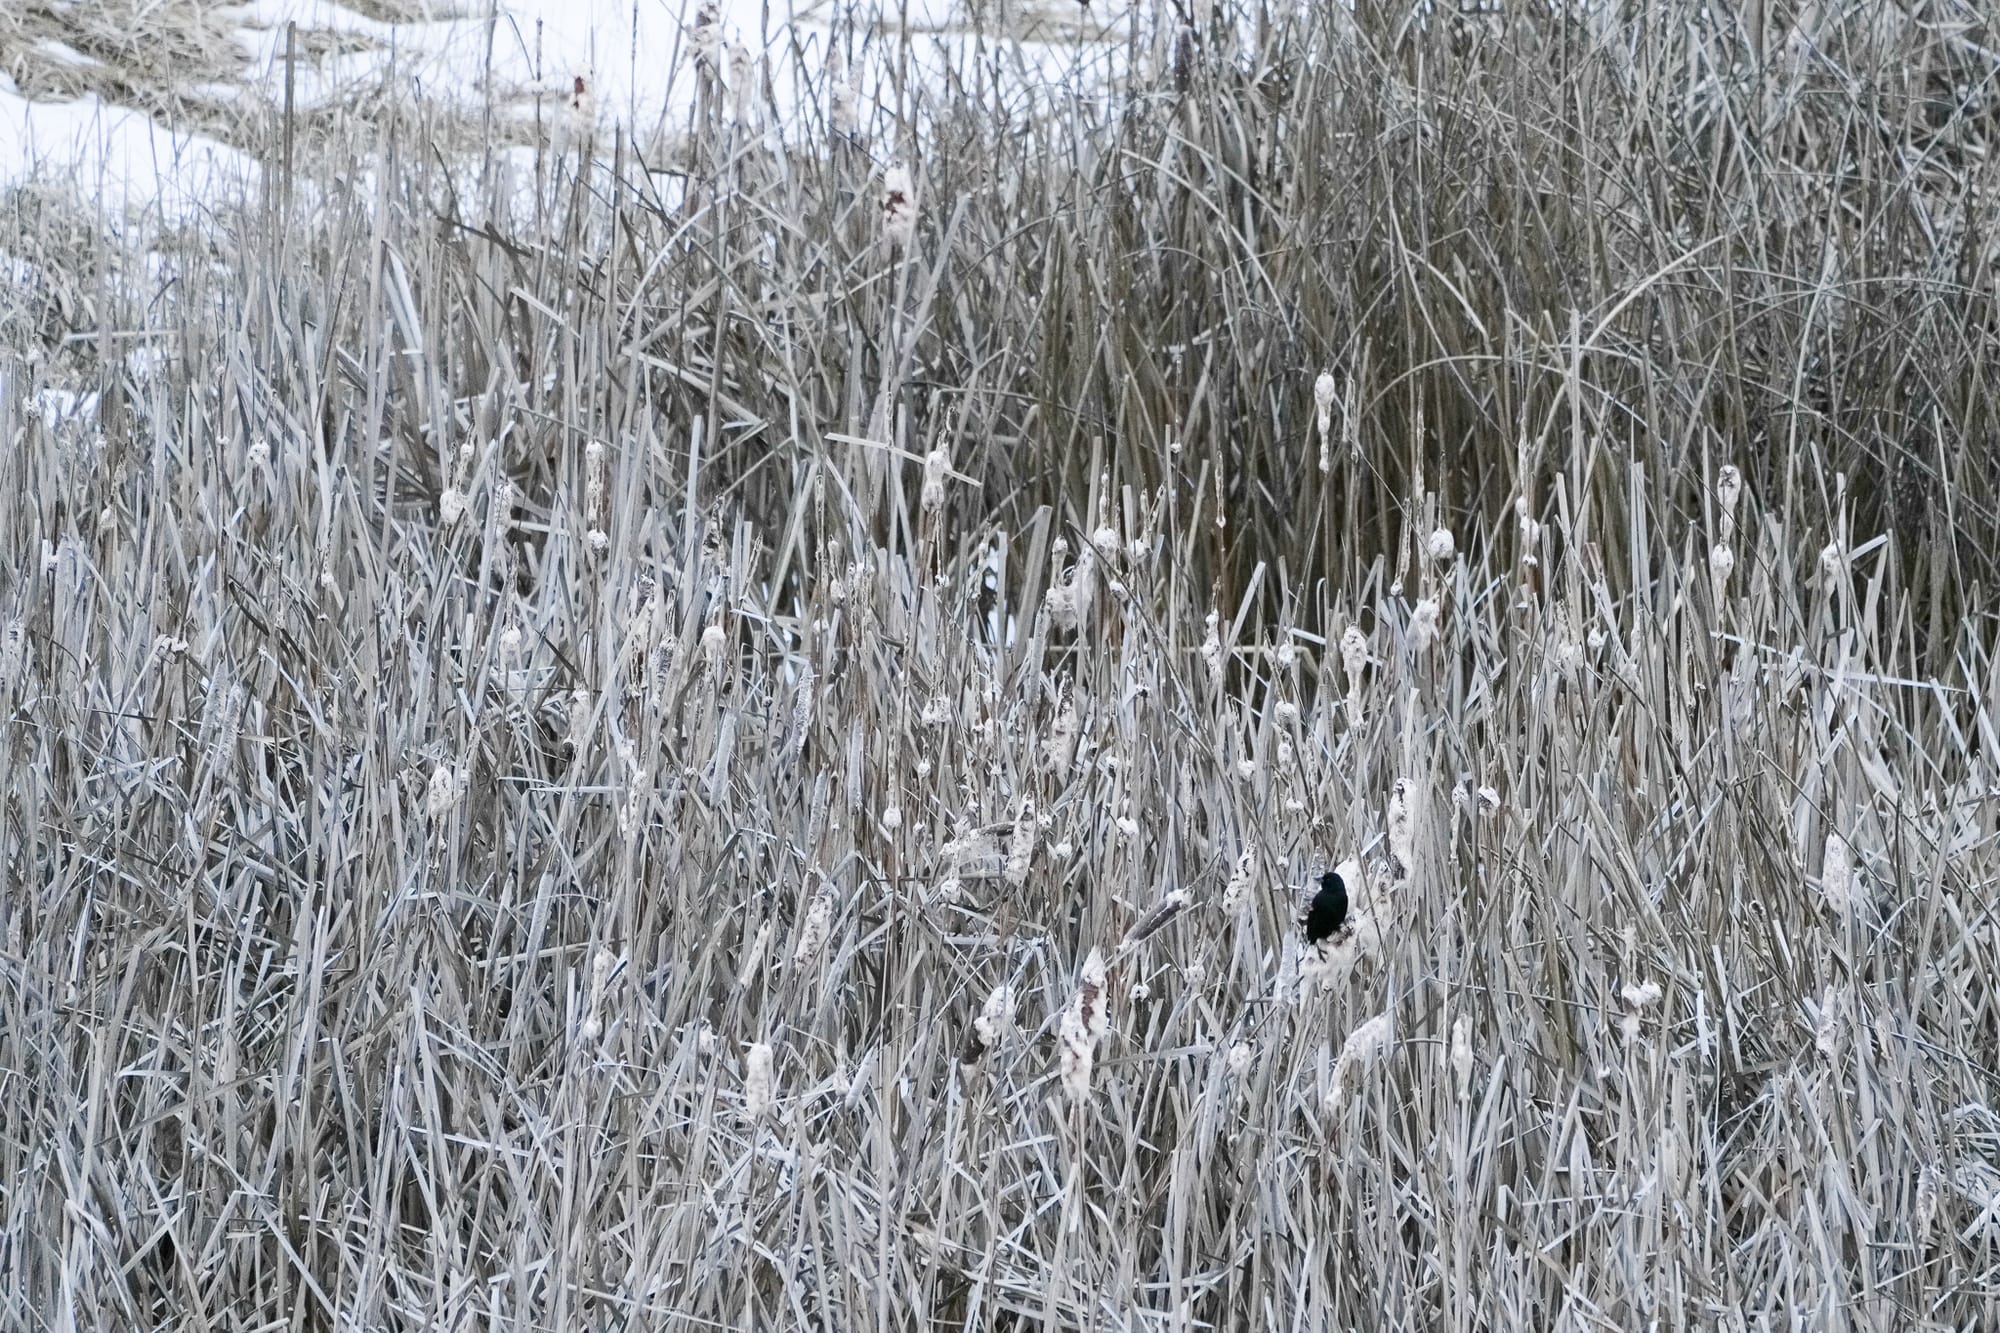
(1211, 648)
(1021, 847)
(1836, 878)
(937, 465)
(840, 109)
(899, 207)
(996, 1016)
(1091, 1008)
(1442, 545)
(579, 113)
(705, 37)
(1324, 392)
(814, 928)
(713, 645)
(1728, 486)
(1424, 623)
(757, 1080)
(1461, 1053)
(1402, 831)
(1720, 561)
(1354, 654)
(1240, 878)
(596, 472)
(451, 505)
(447, 788)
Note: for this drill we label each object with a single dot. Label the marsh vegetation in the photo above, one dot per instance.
(605, 739)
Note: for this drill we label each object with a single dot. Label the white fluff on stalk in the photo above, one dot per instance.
(1239, 881)
(1424, 623)
(1402, 825)
(1728, 486)
(899, 207)
(996, 1016)
(814, 928)
(757, 1080)
(1837, 881)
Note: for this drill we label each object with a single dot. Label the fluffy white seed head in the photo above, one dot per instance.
(1836, 878)
(1021, 846)
(447, 788)
(899, 207)
(814, 928)
(1077, 1056)
(757, 1080)
(1424, 623)
(1728, 486)
(996, 1016)
(1354, 654)
(1240, 879)
(1442, 545)
(1325, 391)
(937, 466)
(1239, 1058)
(1721, 560)
(451, 505)
(1461, 1053)
(1402, 825)
(579, 112)
(705, 36)
(1090, 997)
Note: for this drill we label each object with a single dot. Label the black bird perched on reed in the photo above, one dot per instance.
(1329, 908)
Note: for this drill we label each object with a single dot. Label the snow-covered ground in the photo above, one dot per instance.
(633, 54)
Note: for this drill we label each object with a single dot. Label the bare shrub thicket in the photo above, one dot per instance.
(732, 745)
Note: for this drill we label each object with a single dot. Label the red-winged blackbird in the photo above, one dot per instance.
(1329, 908)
